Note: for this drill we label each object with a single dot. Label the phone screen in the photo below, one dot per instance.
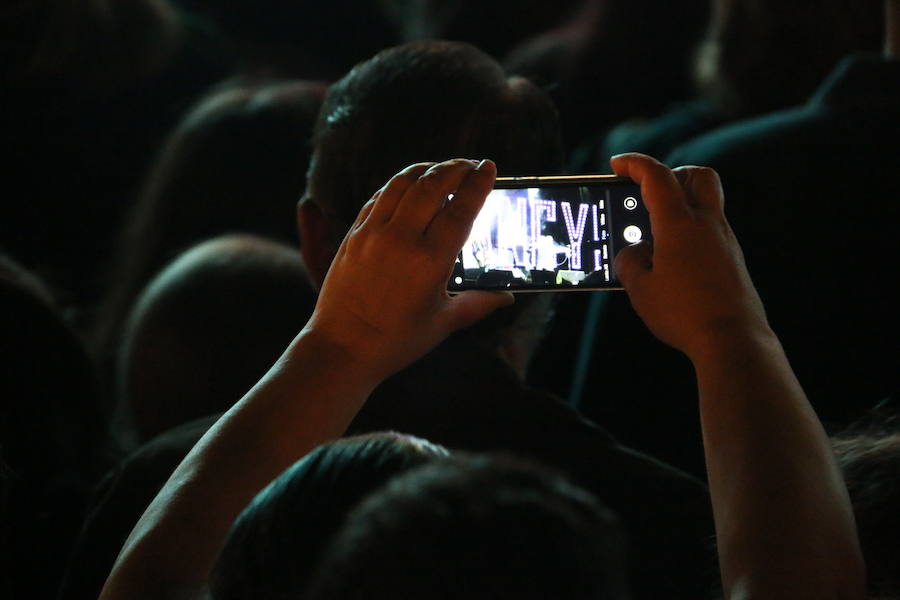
(551, 234)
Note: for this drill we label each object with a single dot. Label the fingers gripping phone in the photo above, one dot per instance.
(551, 234)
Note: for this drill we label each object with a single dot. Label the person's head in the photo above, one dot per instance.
(422, 101)
(651, 59)
(53, 438)
(206, 329)
(761, 55)
(235, 164)
(274, 544)
(475, 527)
(50, 417)
(869, 457)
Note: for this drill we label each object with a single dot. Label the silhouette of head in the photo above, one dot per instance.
(206, 329)
(475, 527)
(275, 543)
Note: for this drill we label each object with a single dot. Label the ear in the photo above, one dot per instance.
(316, 241)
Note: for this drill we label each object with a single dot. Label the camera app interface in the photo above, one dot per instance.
(553, 237)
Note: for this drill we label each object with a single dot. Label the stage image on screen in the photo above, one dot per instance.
(538, 238)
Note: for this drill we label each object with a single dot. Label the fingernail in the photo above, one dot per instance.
(481, 164)
(615, 156)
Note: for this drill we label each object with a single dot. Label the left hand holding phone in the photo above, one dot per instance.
(383, 318)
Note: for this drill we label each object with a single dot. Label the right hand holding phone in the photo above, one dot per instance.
(690, 286)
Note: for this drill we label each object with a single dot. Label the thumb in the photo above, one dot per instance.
(471, 306)
(632, 263)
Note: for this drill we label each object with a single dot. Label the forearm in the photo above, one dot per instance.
(309, 397)
(783, 519)
(370, 321)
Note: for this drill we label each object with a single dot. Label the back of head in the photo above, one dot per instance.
(52, 436)
(206, 329)
(425, 101)
(475, 527)
(652, 61)
(274, 544)
(235, 164)
(431, 101)
(869, 457)
(762, 55)
(50, 418)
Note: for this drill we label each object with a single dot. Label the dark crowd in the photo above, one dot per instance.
(230, 368)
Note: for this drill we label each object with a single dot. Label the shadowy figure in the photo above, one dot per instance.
(275, 544)
(613, 60)
(757, 56)
(763, 55)
(806, 227)
(205, 330)
(118, 501)
(811, 231)
(53, 441)
(200, 335)
(90, 90)
(235, 164)
(475, 527)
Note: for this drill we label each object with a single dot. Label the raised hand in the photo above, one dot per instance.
(384, 302)
(784, 525)
(691, 285)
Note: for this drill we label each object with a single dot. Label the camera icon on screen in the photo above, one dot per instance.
(632, 234)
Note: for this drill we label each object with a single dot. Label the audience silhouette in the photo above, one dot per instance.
(232, 368)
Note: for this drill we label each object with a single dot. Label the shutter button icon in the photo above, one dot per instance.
(632, 234)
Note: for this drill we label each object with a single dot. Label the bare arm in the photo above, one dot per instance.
(784, 524)
(369, 322)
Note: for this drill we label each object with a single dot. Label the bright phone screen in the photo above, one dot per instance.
(551, 236)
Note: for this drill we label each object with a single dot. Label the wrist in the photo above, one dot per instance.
(334, 359)
(729, 338)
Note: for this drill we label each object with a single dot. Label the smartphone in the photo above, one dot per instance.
(551, 234)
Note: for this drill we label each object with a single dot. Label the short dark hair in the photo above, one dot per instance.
(426, 101)
(194, 341)
(274, 544)
(475, 527)
(868, 453)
